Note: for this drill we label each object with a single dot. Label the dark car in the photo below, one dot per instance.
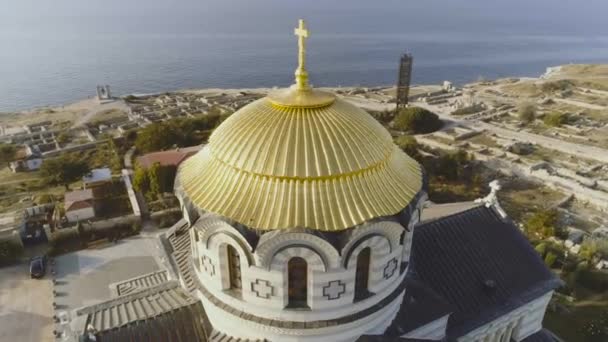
(38, 266)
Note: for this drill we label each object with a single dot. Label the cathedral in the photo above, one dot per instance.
(302, 221)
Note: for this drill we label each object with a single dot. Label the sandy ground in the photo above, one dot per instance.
(25, 306)
(77, 113)
(92, 107)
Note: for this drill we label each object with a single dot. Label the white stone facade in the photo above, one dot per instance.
(80, 214)
(516, 325)
(433, 331)
(331, 278)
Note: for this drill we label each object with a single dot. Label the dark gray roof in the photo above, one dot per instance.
(421, 305)
(138, 306)
(186, 324)
(480, 264)
(381, 338)
(162, 313)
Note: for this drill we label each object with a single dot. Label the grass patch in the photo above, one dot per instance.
(576, 323)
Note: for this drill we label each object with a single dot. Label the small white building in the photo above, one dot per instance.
(79, 205)
(26, 159)
(97, 177)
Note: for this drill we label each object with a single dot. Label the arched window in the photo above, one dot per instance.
(362, 275)
(234, 268)
(297, 281)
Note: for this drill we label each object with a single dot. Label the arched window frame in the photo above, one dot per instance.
(234, 267)
(297, 283)
(316, 264)
(362, 274)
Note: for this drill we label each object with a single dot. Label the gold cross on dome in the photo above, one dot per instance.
(301, 74)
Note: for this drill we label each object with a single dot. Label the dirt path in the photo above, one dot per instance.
(585, 151)
(93, 108)
(580, 104)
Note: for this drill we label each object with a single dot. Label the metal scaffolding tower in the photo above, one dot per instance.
(404, 80)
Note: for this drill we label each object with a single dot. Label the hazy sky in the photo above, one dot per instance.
(560, 17)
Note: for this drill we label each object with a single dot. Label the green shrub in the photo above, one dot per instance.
(591, 248)
(9, 252)
(554, 86)
(593, 279)
(136, 227)
(543, 224)
(175, 133)
(7, 152)
(550, 259)
(417, 120)
(451, 166)
(527, 113)
(409, 145)
(555, 119)
(541, 248)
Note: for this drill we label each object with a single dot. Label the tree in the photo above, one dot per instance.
(176, 132)
(9, 252)
(45, 199)
(555, 119)
(550, 259)
(543, 224)
(63, 170)
(154, 177)
(141, 182)
(527, 113)
(417, 120)
(409, 145)
(156, 137)
(155, 180)
(7, 152)
(451, 166)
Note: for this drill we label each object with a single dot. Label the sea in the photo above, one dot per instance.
(58, 54)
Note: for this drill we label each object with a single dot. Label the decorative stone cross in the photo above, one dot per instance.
(491, 200)
(262, 288)
(301, 74)
(208, 265)
(390, 268)
(334, 289)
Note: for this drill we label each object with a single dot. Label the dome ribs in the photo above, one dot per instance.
(325, 168)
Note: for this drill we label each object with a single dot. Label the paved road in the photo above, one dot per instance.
(25, 306)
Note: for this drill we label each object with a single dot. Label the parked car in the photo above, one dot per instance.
(38, 266)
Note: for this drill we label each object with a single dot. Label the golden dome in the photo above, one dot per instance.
(301, 158)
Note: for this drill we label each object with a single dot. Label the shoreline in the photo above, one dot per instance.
(85, 103)
(261, 88)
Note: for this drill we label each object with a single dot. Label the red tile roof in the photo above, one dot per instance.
(166, 158)
(79, 205)
(78, 199)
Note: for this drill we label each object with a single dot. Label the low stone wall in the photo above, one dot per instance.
(562, 179)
